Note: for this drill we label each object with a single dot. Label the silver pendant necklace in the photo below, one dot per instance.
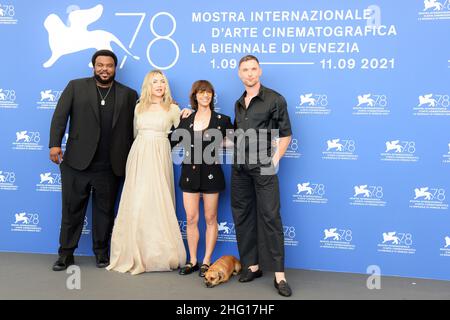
(102, 101)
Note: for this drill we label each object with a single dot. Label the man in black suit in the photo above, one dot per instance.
(101, 112)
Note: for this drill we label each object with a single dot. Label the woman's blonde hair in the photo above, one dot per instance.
(145, 99)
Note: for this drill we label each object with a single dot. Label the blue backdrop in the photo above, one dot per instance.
(365, 179)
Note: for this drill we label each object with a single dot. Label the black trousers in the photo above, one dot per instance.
(76, 190)
(255, 203)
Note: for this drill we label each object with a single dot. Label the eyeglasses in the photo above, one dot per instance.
(206, 93)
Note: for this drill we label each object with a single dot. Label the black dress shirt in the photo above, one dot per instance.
(253, 137)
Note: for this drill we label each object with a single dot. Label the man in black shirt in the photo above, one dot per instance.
(100, 111)
(255, 198)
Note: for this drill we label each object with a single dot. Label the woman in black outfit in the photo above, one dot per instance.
(201, 172)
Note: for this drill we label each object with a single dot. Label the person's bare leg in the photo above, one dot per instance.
(280, 276)
(211, 203)
(191, 206)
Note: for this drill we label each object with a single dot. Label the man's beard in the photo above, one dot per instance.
(107, 81)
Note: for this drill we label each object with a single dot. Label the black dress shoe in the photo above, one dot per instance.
(63, 262)
(189, 268)
(283, 288)
(249, 275)
(101, 261)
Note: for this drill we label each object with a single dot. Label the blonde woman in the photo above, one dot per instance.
(146, 236)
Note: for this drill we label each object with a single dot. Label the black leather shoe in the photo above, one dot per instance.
(249, 275)
(189, 268)
(204, 267)
(101, 260)
(63, 262)
(283, 288)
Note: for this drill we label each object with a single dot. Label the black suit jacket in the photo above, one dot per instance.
(208, 176)
(79, 102)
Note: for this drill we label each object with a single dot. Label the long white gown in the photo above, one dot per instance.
(146, 235)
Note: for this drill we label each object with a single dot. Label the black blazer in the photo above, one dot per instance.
(79, 102)
(208, 176)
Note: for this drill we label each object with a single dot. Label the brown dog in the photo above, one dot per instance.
(222, 270)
